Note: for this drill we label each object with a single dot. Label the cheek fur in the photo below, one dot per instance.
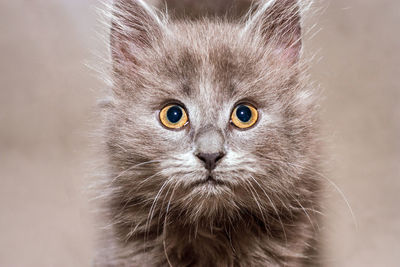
(179, 162)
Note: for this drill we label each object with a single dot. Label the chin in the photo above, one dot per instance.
(207, 200)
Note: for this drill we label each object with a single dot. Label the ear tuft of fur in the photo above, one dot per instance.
(278, 22)
(134, 26)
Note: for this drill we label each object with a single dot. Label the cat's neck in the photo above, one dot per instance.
(243, 243)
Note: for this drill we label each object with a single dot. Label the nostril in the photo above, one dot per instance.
(220, 156)
(210, 159)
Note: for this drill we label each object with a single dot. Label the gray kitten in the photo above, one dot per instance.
(211, 143)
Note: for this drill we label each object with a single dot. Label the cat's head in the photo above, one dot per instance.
(210, 118)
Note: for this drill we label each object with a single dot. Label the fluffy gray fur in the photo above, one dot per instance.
(262, 211)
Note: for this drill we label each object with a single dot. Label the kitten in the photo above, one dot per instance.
(211, 141)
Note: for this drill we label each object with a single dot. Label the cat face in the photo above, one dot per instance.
(210, 118)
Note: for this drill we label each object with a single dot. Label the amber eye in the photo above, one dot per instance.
(173, 117)
(244, 116)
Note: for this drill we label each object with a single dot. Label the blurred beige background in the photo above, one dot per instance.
(47, 99)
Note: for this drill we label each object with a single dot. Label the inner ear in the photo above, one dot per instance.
(135, 25)
(279, 24)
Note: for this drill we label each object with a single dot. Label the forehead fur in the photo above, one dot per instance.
(212, 57)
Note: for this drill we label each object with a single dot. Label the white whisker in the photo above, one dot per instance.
(273, 206)
(131, 168)
(342, 195)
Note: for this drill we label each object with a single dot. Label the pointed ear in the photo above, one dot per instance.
(135, 25)
(278, 22)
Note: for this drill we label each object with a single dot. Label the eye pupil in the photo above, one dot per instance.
(244, 113)
(174, 114)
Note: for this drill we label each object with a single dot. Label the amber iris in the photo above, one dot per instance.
(173, 117)
(244, 116)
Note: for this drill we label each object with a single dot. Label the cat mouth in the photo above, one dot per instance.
(209, 180)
